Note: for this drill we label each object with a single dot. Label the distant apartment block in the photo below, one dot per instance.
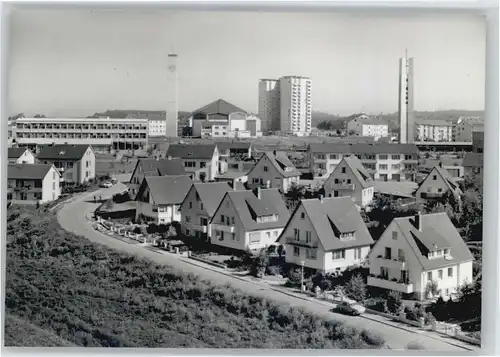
(434, 130)
(101, 133)
(382, 161)
(478, 138)
(269, 104)
(367, 126)
(295, 105)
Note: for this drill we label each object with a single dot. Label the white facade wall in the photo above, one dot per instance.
(264, 173)
(295, 105)
(269, 104)
(165, 214)
(430, 132)
(125, 133)
(157, 127)
(50, 190)
(198, 216)
(375, 130)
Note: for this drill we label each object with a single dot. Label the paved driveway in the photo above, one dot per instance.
(72, 218)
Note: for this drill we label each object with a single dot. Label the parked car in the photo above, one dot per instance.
(106, 184)
(349, 308)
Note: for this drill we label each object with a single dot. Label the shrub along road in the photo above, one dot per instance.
(72, 217)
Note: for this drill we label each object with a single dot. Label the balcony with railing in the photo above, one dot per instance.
(392, 263)
(403, 286)
(223, 227)
(196, 227)
(301, 242)
(432, 195)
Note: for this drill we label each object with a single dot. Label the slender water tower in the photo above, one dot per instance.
(172, 109)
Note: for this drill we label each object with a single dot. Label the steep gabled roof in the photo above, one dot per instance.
(437, 232)
(448, 180)
(62, 152)
(15, 153)
(186, 151)
(359, 171)
(280, 162)
(219, 106)
(28, 171)
(162, 167)
(248, 207)
(166, 189)
(473, 159)
(211, 194)
(332, 216)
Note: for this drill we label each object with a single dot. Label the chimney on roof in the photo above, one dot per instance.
(259, 195)
(418, 221)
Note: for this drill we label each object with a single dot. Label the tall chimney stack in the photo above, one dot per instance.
(418, 221)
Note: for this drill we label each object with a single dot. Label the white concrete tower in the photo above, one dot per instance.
(172, 109)
(405, 105)
(295, 103)
(269, 105)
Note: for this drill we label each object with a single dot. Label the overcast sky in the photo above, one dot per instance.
(77, 62)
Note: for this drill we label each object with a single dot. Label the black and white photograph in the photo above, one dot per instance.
(244, 179)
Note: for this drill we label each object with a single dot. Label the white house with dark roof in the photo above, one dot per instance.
(32, 183)
(154, 167)
(159, 198)
(20, 156)
(350, 179)
(438, 183)
(273, 171)
(249, 220)
(201, 160)
(473, 164)
(327, 234)
(415, 250)
(199, 206)
(76, 163)
(383, 161)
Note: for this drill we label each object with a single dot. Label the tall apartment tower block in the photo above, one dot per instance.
(172, 109)
(405, 107)
(285, 105)
(269, 105)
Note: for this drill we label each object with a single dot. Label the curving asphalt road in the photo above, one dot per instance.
(72, 217)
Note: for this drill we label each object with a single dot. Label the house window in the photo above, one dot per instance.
(382, 157)
(446, 251)
(401, 255)
(333, 157)
(450, 272)
(232, 221)
(53, 175)
(384, 272)
(38, 195)
(429, 276)
(53, 185)
(308, 237)
(395, 157)
(310, 253)
(440, 190)
(348, 181)
(440, 274)
(383, 166)
(395, 235)
(222, 218)
(357, 253)
(388, 253)
(266, 168)
(296, 234)
(201, 206)
(87, 164)
(343, 170)
(338, 254)
(190, 205)
(203, 164)
(233, 236)
(434, 177)
(275, 233)
(302, 215)
(296, 251)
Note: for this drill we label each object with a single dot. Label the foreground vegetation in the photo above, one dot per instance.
(63, 286)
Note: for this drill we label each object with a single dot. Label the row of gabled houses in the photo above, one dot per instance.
(37, 178)
(325, 234)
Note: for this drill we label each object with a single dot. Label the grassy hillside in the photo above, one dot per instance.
(21, 333)
(92, 296)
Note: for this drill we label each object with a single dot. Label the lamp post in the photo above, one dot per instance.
(302, 275)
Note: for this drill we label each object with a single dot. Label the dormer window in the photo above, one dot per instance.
(347, 235)
(270, 218)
